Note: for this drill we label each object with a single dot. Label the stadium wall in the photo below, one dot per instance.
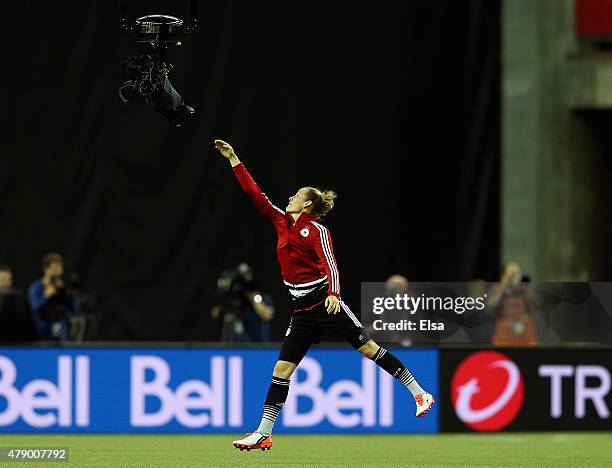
(143, 390)
(220, 390)
(525, 390)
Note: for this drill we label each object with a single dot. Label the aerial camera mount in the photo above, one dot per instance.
(148, 72)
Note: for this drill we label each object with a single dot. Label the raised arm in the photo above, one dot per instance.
(261, 202)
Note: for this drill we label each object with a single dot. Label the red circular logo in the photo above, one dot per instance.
(487, 391)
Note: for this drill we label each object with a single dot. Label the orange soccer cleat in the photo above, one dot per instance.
(253, 441)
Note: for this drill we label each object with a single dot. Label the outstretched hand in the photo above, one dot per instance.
(332, 303)
(225, 149)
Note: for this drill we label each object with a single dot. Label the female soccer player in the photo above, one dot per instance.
(310, 272)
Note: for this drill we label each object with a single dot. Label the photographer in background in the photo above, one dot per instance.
(245, 311)
(52, 301)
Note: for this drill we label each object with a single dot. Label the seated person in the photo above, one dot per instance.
(15, 320)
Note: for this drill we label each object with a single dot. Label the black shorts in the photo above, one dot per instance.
(309, 327)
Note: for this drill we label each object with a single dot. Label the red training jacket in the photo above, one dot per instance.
(304, 247)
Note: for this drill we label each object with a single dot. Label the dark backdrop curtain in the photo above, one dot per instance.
(395, 105)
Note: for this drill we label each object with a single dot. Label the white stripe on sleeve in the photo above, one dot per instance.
(329, 256)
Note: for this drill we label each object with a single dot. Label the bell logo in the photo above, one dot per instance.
(185, 401)
(487, 391)
(345, 403)
(43, 403)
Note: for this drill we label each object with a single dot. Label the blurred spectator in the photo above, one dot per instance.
(6, 279)
(513, 305)
(396, 284)
(245, 311)
(477, 288)
(478, 324)
(15, 321)
(51, 301)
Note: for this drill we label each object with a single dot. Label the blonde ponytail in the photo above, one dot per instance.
(322, 201)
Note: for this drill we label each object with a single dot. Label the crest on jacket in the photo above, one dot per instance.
(304, 232)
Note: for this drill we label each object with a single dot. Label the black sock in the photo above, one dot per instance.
(394, 366)
(275, 399)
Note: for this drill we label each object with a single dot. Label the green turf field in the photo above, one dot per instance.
(542, 449)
